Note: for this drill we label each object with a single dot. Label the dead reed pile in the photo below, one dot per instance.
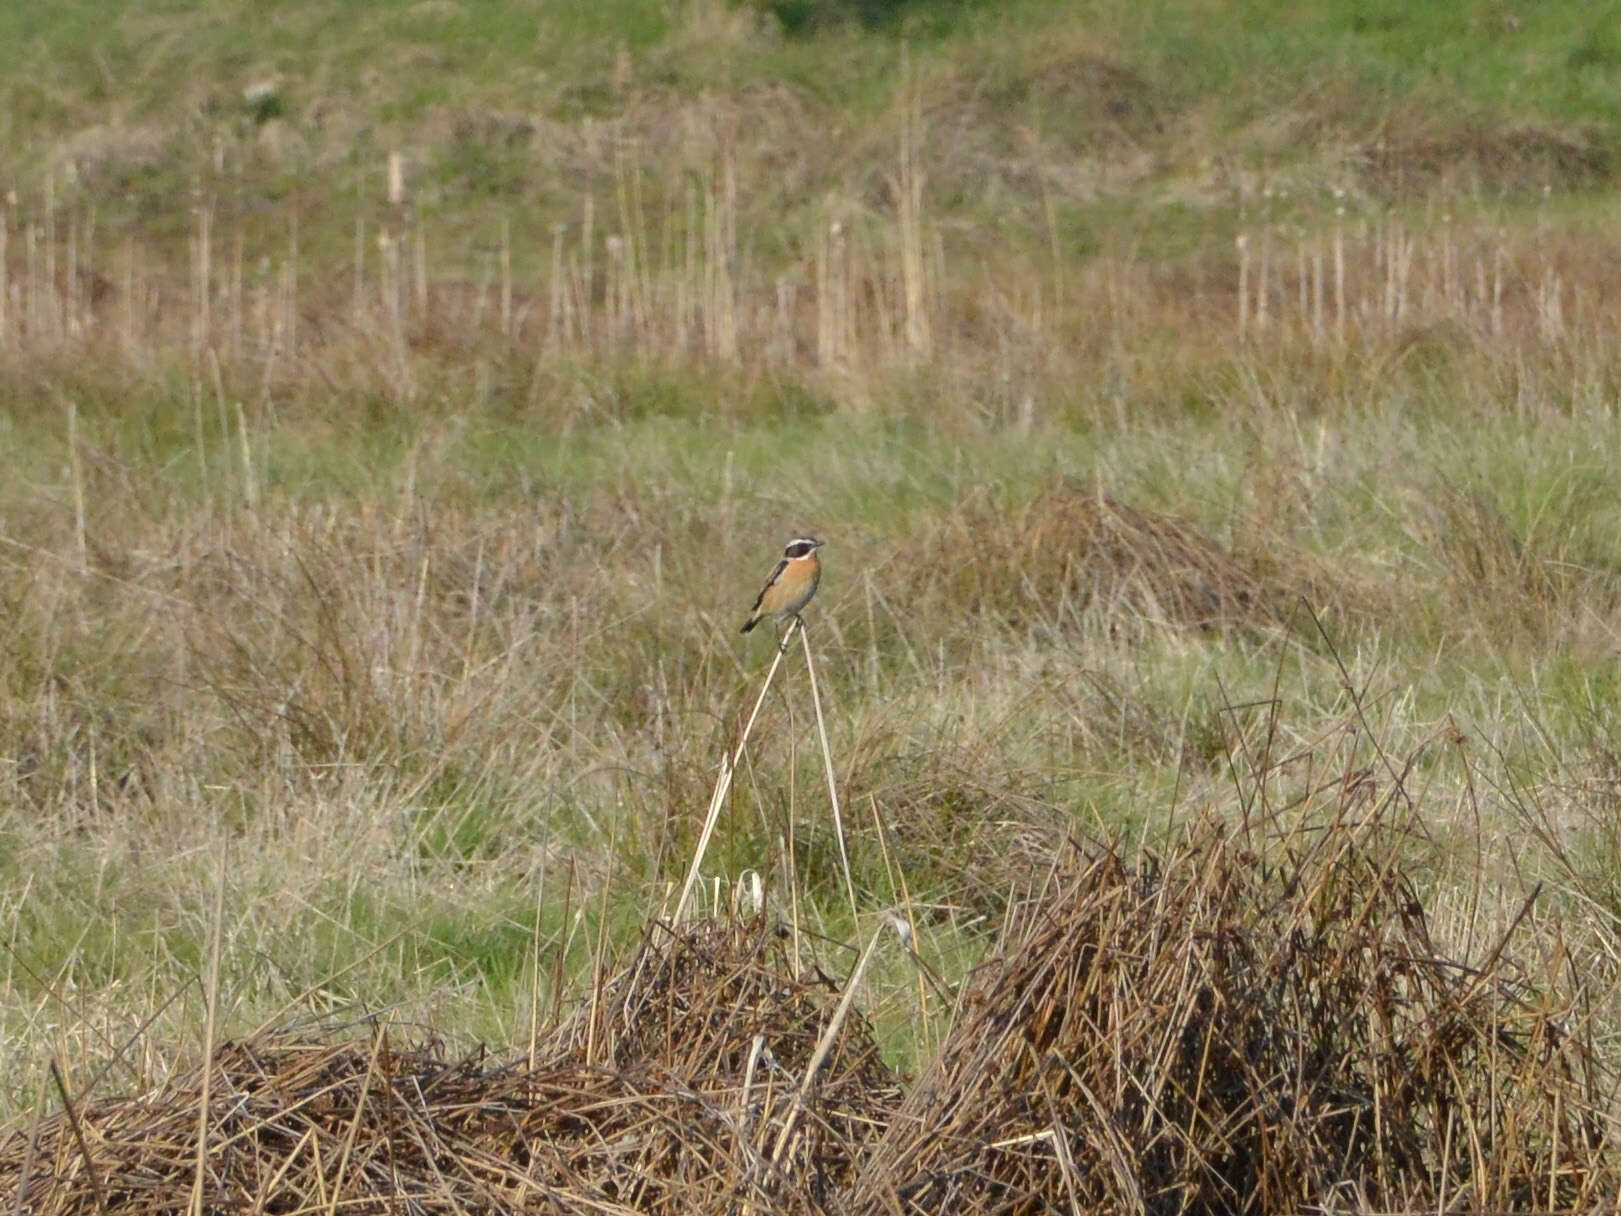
(1249, 1025)
(710, 1034)
(665, 1093)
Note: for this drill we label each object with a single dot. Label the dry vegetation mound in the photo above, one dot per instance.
(1217, 1033)
(666, 1093)
(1077, 556)
(1256, 1021)
(707, 1040)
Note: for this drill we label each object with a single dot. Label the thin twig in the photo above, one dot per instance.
(723, 783)
(827, 765)
(210, 1022)
(32, 1151)
(378, 1046)
(825, 1045)
(78, 1135)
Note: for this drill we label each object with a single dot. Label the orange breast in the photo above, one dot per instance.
(794, 587)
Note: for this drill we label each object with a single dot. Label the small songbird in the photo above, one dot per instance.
(791, 584)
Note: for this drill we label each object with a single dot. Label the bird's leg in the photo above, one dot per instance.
(782, 642)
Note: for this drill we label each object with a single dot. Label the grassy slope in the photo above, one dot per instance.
(438, 648)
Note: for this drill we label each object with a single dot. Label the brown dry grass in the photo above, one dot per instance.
(1074, 558)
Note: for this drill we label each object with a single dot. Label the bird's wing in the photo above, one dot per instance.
(769, 583)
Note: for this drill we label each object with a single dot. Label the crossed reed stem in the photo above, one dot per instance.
(729, 762)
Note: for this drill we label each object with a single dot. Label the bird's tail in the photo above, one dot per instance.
(749, 624)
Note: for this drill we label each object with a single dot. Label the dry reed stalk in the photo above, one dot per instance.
(211, 984)
(389, 295)
(1318, 332)
(234, 296)
(1550, 306)
(728, 276)
(824, 297)
(824, 1044)
(599, 967)
(203, 285)
(827, 768)
(87, 319)
(844, 325)
(395, 178)
(51, 321)
(689, 288)
(1243, 243)
(358, 301)
(731, 759)
(1339, 274)
(31, 305)
(556, 294)
(287, 295)
(584, 292)
(25, 1171)
(644, 295)
(76, 471)
(5, 276)
(1452, 292)
(1499, 258)
(723, 783)
(506, 278)
(1303, 297)
(1263, 279)
(614, 290)
(70, 293)
(98, 1192)
(909, 208)
(713, 269)
(623, 298)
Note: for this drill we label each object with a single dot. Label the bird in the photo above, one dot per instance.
(791, 584)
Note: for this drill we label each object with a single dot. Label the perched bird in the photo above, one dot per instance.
(791, 584)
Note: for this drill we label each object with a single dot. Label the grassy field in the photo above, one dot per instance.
(1200, 402)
